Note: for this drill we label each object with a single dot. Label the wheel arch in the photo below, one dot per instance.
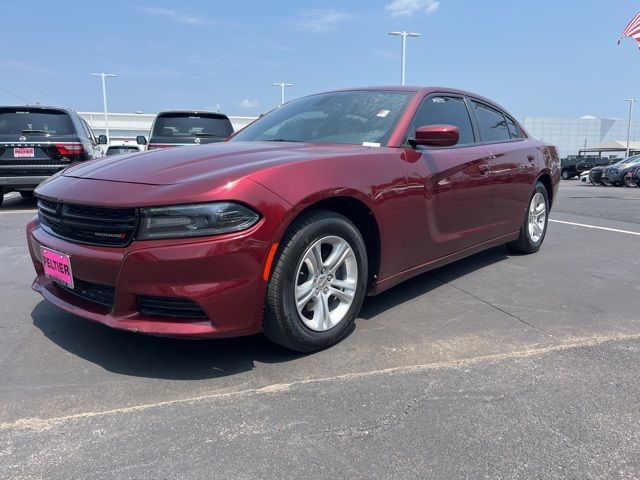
(545, 179)
(357, 211)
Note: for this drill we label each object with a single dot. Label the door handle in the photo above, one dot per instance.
(483, 168)
(531, 157)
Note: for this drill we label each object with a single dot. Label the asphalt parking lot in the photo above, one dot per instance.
(497, 366)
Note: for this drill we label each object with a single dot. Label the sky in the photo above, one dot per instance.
(544, 58)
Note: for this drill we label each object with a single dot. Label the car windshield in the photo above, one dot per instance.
(353, 117)
(39, 122)
(186, 124)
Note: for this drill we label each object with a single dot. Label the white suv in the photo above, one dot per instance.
(119, 147)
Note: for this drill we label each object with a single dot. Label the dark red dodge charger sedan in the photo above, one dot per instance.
(285, 227)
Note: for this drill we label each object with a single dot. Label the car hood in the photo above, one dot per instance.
(227, 160)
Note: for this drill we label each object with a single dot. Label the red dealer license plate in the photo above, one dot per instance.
(57, 267)
(23, 152)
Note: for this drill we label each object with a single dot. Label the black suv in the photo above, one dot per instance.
(587, 163)
(181, 127)
(568, 167)
(37, 141)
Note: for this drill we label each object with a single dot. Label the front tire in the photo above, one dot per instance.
(628, 181)
(318, 283)
(534, 226)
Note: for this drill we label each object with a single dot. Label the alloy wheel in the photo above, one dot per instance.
(326, 282)
(537, 217)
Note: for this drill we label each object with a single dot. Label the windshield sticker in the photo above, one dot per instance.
(370, 144)
(383, 113)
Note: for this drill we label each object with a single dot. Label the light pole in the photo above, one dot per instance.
(104, 99)
(282, 85)
(631, 102)
(404, 36)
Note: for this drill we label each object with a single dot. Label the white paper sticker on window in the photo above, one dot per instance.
(383, 113)
(370, 144)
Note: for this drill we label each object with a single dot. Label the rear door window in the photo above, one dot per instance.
(24, 121)
(183, 125)
(514, 130)
(491, 123)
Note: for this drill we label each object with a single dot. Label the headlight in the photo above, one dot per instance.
(195, 220)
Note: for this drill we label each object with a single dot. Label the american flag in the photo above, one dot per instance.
(632, 30)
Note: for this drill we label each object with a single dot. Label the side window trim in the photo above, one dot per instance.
(474, 132)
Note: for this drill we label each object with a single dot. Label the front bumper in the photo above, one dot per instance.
(222, 275)
(31, 181)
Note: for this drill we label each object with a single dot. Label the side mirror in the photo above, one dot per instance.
(102, 139)
(436, 136)
(141, 140)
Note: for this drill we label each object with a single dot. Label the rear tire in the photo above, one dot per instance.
(313, 297)
(534, 225)
(565, 175)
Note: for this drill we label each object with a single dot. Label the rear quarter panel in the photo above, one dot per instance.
(550, 164)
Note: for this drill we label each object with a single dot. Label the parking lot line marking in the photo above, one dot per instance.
(39, 424)
(10, 212)
(628, 232)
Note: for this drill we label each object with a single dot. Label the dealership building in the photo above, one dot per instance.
(571, 135)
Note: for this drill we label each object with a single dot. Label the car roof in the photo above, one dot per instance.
(197, 112)
(421, 90)
(41, 107)
(123, 143)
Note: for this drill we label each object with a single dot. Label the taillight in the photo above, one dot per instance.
(70, 150)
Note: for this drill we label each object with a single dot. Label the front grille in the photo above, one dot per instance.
(596, 175)
(169, 307)
(94, 292)
(113, 227)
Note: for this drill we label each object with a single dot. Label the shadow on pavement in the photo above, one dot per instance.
(417, 286)
(165, 358)
(13, 201)
(140, 355)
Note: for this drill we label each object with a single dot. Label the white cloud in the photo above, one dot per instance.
(248, 103)
(321, 21)
(406, 8)
(176, 16)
